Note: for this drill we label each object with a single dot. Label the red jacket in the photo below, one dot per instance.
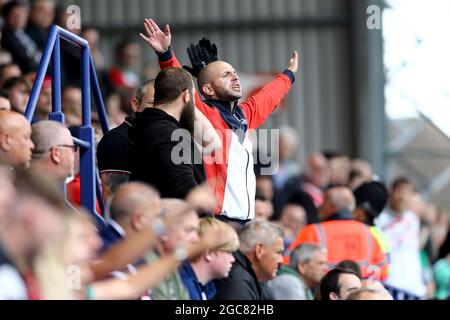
(230, 169)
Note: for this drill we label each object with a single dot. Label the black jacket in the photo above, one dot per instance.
(151, 157)
(241, 283)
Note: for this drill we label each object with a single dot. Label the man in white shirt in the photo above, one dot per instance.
(401, 226)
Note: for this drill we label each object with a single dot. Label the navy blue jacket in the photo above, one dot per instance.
(194, 287)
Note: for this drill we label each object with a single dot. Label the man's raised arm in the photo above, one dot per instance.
(160, 40)
(259, 106)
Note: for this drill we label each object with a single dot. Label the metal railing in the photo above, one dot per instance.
(90, 186)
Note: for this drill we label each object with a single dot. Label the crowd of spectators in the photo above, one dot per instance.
(325, 227)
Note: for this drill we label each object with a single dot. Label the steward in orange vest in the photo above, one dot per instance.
(343, 237)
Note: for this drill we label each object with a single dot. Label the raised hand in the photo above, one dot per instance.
(200, 55)
(293, 63)
(156, 38)
(211, 49)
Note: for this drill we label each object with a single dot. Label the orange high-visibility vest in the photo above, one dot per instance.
(346, 240)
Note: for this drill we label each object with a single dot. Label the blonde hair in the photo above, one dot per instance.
(232, 243)
(51, 265)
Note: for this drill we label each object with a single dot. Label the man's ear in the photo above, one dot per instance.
(259, 251)
(301, 268)
(208, 89)
(135, 104)
(136, 221)
(208, 256)
(54, 155)
(5, 141)
(186, 96)
(334, 296)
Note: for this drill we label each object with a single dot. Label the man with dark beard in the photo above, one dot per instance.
(164, 153)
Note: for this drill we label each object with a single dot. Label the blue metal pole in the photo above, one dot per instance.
(85, 87)
(101, 110)
(81, 143)
(42, 69)
(56, 113)
(87, 160)
(69, 36)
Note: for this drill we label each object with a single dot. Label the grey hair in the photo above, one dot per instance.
(142, 90)
(46, 134)
(259, 231)
(303, 254)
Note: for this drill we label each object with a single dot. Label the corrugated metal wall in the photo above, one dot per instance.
(257, 36)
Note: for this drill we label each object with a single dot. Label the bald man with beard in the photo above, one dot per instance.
(15, 139)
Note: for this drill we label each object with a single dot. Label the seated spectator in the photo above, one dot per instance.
(313, 181)
(339, 166)
(350, 265)
(18, 92)
(4, 100)
(92, 36)
(42, 15)
(9, 70)
(54, 150)
(263, 207)
(288, 168)
(338, 284)
(258, 259)
(123, 75)
(14, 39)
(76, 249)
(71, 105)
(287, 146)
(264, 184)
(197, 275)
(298, 280)
(31, 222)
(370, 294)
(44, 103)
(132, 208)
(185, 231)
(293, 220)
(15, 139)
(361, 171)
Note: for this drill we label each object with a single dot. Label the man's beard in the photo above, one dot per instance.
(187, 117)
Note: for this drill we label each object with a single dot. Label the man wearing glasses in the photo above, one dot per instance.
(54, 150)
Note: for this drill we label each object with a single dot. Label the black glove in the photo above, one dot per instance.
(211, 48)
(200, 55)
